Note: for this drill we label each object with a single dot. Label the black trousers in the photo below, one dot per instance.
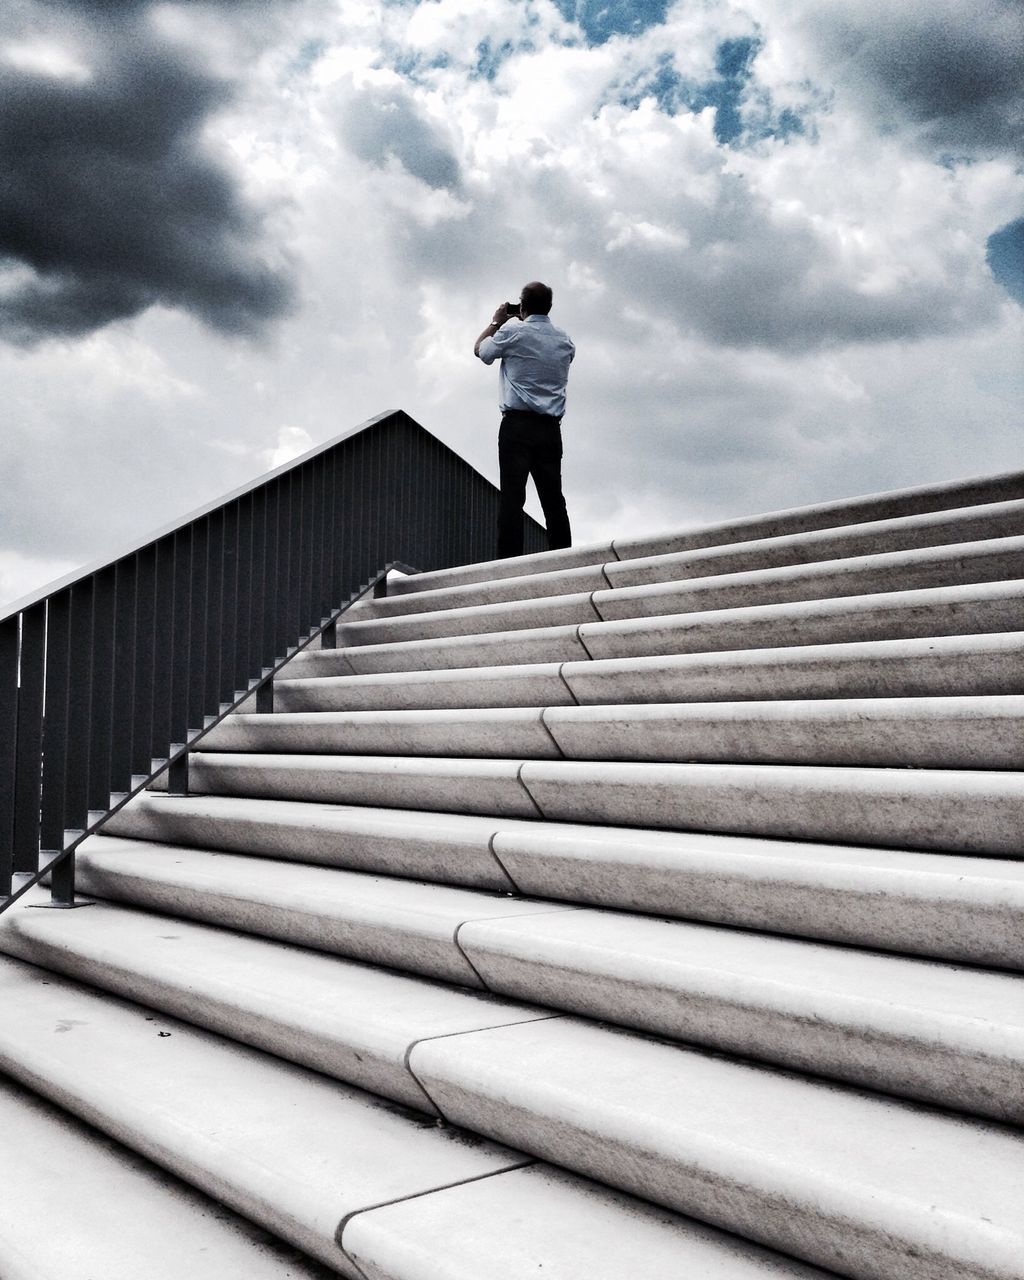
(530, 444)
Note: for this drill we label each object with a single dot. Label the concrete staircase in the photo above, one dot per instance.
(634, 912)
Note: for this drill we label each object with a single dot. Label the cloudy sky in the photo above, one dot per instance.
(787, 237)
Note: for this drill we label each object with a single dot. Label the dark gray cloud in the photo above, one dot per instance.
(380, 123)
(954, 71)
(112, 202)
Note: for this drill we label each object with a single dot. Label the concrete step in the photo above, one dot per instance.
(171, 1089)
(957, 811)
(874, 1188)
(969, 562)
(931, 666)
(974, 609)
(936, 733)
(283, 1146)
(543, 1221)
(78, 1205)
(402, 924)
(940, 905)
(973, 524)
(824, 515)
(934, 1033)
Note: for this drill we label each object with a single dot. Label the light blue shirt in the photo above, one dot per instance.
(535, 356)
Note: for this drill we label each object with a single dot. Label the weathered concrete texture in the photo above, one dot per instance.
(588, 554)
(542, 1221)
(944, 665)
(77, 1205)
(973, 524)
(562, 582)
(972, 609)
(930, 733)
(896, 808)
(400, 782)
(929, 904)
(538, 685)
(352, 1021)
(452, 848)
(498, 733)
(398, 923)
(992, 560)
(830, 515)
(471, 620)
(284, 1146)
(933, 1032)
(911, 668)
(834, 1176)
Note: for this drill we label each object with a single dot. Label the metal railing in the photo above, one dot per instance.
(109, 676)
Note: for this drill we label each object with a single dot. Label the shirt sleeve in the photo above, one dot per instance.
(494, 347)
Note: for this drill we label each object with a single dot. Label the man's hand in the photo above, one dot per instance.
(500, 316)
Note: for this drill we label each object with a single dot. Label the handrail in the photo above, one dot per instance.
(110, 676)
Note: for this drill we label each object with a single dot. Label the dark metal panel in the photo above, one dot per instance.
(126, 576)
(145, 621)
(31, 669)
(80, 669)
(179, 623)
(163, 648)
(9, 640)
(55, 725)
(214, 611)
(101, 712)
(197, 626)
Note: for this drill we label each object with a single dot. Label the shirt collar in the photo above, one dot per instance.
(537, 318)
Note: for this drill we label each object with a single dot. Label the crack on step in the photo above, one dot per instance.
(615, 550)
(568, 686)
(597, 612)
(547, 730)
(524, 1163)
(529, 793)
(583, 644)
(504, 870)
(604, 574)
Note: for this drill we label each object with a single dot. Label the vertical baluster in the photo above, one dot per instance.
(163, 647)
(180, 624)
(9, 643)
(145, 621)
(55, 726)
(229, 605)
(101, 679)
(272, 574)
(214, 610)
(124, 673)
(31, 669)
(80, 667)
(197, 627)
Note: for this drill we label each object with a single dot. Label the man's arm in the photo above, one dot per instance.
(500, 316)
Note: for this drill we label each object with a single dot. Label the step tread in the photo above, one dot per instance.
(841, 1178)
(288, 1148)
(117, 1212)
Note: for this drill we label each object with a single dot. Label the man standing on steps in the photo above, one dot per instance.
(535, 358)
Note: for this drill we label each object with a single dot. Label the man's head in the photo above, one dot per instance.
(536, 299)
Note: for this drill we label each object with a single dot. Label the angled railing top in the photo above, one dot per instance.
(109, 674)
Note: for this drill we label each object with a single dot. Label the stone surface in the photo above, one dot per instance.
(452, 848)
(282, 1145)
(940, 1034)
(397, 923)
(350, 1021)
(536, 685)
(932, 529)
(991, 560)
(924, 733)
(542, 1221)
(930, 666)
(471, 620)
(826, 515)
(590, 553)
(958, 811)
(78, 1206)
(929, 904)
(401, 782)
(533, 586)
(840, 1178)
(489, 733)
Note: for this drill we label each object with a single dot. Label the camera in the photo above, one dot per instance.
(513, 308)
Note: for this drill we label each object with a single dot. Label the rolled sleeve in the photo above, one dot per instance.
(488, 351)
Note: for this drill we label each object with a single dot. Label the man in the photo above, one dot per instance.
(535, 358)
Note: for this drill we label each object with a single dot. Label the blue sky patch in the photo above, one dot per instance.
(602, 19)
(1005, 258)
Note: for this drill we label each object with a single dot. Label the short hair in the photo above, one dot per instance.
(536, 298)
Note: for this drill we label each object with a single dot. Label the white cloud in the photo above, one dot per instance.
(757, 326)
